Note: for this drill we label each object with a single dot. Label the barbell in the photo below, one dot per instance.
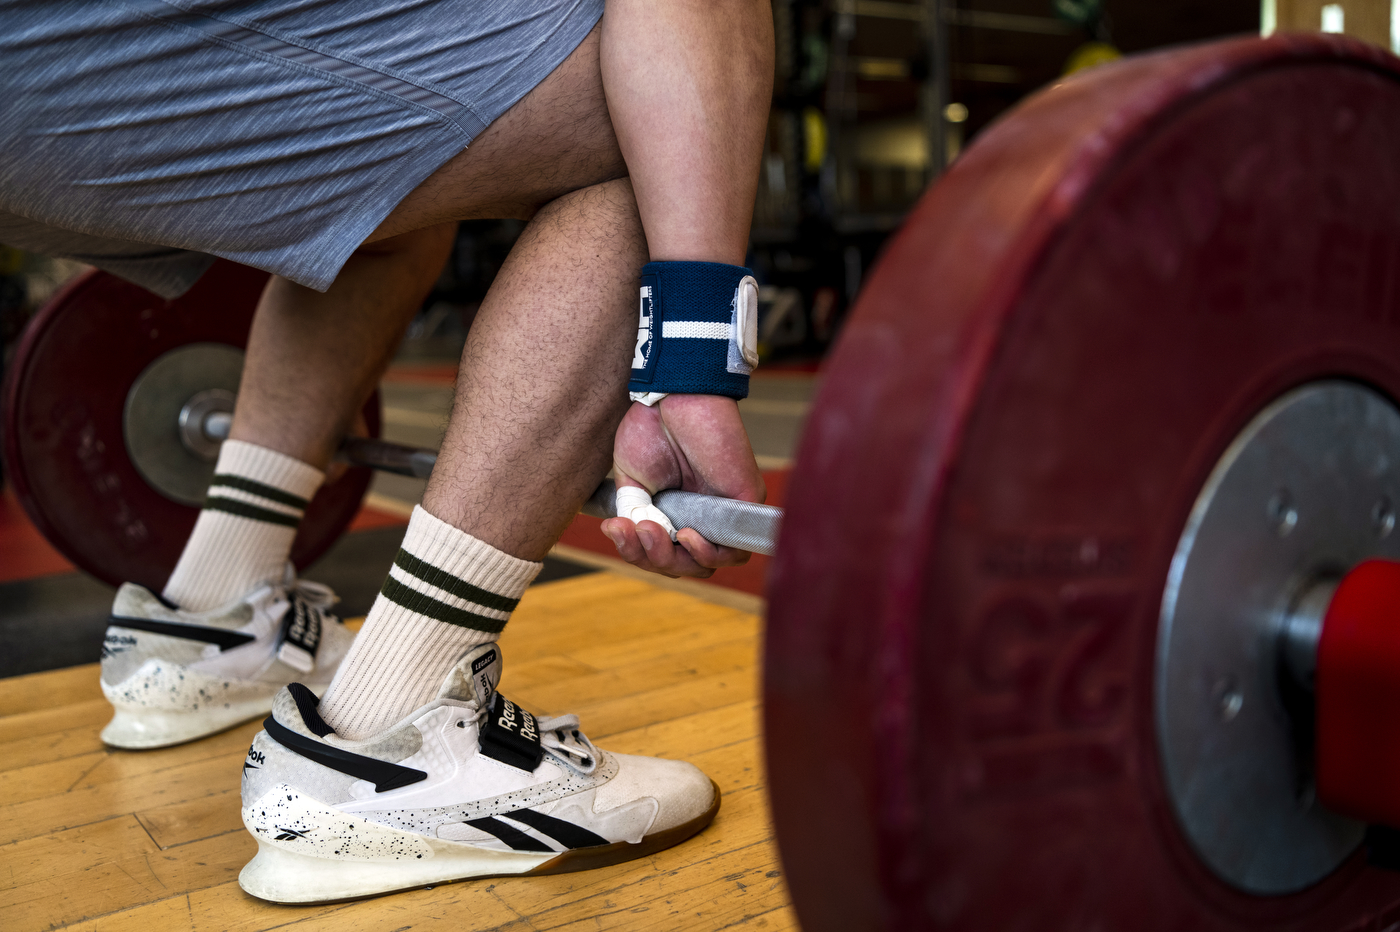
(1107, 641)
(726, 521)
(1110, 640)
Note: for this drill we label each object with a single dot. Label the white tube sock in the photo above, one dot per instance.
(446, 593)
(244, 535)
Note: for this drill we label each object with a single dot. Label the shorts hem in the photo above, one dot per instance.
(341, 240)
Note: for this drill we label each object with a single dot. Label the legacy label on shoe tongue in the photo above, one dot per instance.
(486, 673)
(511, 735)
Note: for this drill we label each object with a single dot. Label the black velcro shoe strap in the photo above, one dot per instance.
(511, 735)
(300, 636)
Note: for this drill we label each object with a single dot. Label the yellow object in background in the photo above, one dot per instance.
(814, 133)
(11, 261)
(1090, 54)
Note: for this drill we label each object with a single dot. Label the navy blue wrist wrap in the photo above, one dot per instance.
(685, 332)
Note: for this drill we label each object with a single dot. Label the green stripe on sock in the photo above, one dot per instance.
(244, 510)
(448, 583)
(269, 492)
(400, 594)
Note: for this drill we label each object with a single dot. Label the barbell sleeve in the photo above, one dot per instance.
(216, 424)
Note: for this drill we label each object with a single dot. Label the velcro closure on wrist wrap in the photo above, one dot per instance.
(696, 331)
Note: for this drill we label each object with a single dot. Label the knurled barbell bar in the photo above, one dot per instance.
(725, 521)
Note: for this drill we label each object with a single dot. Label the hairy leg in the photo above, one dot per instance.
(539, 394)
(314, 358)
(543, 377)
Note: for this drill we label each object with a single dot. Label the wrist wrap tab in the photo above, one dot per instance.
(697, 329)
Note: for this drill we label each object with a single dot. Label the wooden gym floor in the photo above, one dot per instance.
(93, 838)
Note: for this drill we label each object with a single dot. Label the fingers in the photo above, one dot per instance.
(708, 554)
(642, 546)
(647, 546)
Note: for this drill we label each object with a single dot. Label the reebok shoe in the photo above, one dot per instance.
(173, 676)
(468, 786)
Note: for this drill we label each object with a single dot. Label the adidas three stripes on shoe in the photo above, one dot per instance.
(469, 785)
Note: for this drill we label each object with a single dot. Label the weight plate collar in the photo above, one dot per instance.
(1300, 497)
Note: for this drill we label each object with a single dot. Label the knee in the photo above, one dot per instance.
(609, 203)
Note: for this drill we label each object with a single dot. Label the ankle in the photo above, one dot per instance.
(446, 593)
(243, 536)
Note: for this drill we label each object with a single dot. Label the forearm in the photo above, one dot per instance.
(689, 84)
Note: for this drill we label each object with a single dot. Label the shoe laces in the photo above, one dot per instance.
(562, 737)
(312, 594)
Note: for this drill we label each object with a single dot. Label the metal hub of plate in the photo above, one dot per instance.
(186, 377)
(1304, 493)
(211, 407)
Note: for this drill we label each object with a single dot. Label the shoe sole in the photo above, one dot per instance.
(138, 728)
(281, 876)
(147, 729)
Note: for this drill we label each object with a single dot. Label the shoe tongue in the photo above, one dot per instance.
(475, 676)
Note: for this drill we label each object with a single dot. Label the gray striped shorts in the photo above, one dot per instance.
(145, 136)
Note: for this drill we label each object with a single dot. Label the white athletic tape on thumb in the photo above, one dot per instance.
(635, 503)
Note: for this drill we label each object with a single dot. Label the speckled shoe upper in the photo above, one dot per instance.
(469, 767)
(173, 675)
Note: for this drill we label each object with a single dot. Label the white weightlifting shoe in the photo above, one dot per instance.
(173, 676)
(468, 786)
